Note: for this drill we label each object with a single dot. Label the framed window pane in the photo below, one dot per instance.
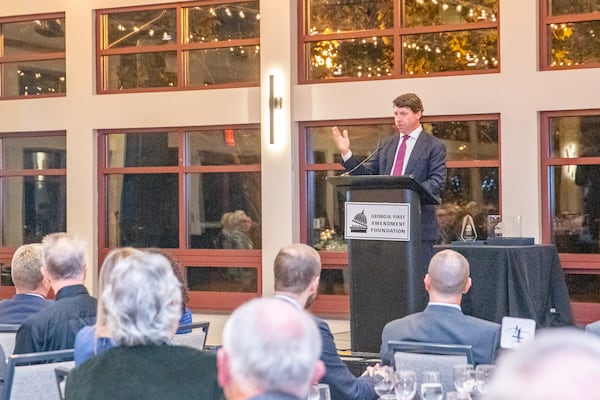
(326, 16)
(212, 198)
(583, 287)
(237, 64)
(467, 140)
(36, 36)
(141, 70)
(223, 147)
(32, 207)
(559, 7)
(142, 149)
(367, 57)
(450, 51)
(222, 22)
(425, 13)
(574, 136)
(325, 213)
(334, 281)
(33, 78)
(142, 210)
(47, 152)
(575, 219)
(141, 28)
(222, 279)
(574, 43)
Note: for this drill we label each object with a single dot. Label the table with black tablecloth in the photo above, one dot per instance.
(516, 281)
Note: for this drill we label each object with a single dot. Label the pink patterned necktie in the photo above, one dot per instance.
(400, 158)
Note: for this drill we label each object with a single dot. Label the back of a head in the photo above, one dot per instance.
(559, 364)
(64, 256)
(26, 266)
(448, 273)
(295, 266)
(142, 300)
(281, 353)
(409, 100)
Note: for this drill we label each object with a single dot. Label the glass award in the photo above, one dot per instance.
(468, 232)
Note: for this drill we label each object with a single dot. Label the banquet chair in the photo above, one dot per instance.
(420, 357)
(32, 375)
(8, 334)
(196, 338)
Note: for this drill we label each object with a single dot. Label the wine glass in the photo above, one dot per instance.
(483, 375)
(383, 380)
(431, 386)
(464, 378)
(405, 384)
(319, 391)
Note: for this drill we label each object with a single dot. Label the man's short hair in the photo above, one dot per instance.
(272, 347)
(409, 100)
(26, 265)
(448, 272)
(64, 255)
(295, 267)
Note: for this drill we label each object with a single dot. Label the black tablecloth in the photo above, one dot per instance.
(516, 281)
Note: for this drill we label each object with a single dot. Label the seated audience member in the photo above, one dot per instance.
(593, 328)
(142, 305)
(559, 364)
(442, 321)
(30, 286)
(224, 240)
(94, 339)
(270, 352)
(186, 313)
(297, 272)
(238, 225)
(55, 327)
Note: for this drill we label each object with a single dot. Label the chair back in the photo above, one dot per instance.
(8, 335)
(422, 357)
(196, 338)
(32, 375)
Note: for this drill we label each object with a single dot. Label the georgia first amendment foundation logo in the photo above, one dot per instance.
(360, 223)
(377, 221)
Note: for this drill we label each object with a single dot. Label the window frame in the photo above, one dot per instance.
(397, 32)
(188, 257)
(180, 48)
(31, 57)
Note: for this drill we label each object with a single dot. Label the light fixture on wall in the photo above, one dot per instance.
(275, 103)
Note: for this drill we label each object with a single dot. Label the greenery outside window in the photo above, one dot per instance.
(178, 46)
(378, 39)
(32, 56)
(569, 34)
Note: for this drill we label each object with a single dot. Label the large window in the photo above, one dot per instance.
(472, 187)
(180, 45)
(32, 192)
(194, 192)
(570, 34)
(371, 39)
(32, 56)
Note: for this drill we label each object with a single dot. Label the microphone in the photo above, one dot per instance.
(369, 157)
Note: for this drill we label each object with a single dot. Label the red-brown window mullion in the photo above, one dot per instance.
(183, 226)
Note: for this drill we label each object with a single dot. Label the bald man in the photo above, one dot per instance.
(443, 321)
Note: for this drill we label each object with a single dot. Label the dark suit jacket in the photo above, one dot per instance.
(343, 385)
(427, 163)
(446, 325)
(21, 307)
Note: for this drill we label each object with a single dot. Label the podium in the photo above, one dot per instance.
(386, 276)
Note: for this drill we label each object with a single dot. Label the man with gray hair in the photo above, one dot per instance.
(55, 327)
(443, 320)
(297, 273)
(270, 352)
(30, 286)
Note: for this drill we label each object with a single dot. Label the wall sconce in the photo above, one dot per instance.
(275, 103)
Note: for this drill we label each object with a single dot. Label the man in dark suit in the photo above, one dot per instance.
(443, 321)
(270, 352)
(411, 151)
(30, 286)
(297, 273)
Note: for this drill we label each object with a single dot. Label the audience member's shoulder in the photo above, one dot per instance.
(484, 322)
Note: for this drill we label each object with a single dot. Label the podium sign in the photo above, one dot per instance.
(377, 221)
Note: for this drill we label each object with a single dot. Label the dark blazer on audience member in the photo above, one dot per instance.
(427, 163)
(20, 307)
(447, 325)
(342, 383)
(150, 372)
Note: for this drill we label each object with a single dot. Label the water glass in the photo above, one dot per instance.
(319, 391)
(383, 380)
(483, 375)
(431, 386)
(464, 378)
(458, 396)
(405, 384)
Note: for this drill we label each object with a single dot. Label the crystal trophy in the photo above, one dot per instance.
(468, 232)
